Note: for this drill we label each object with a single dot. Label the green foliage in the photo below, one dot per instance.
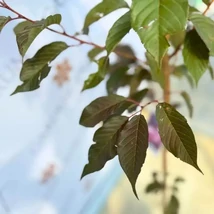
(168, 17)
(100, 109)
(26, 32)
(34, 70)
(156, 74)
(155, 186)
(159, 25)
(105, 147)
(93, 53)
(120, 28)
(181, 71)
(3, 21)
(196, 55)
(101, 10)
(205, 28)
(95, 78)
(176, 134)
(33, 83)
(132, 147)
(187, 99)
(173, 206)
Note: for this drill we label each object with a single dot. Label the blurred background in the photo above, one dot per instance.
(43, 149)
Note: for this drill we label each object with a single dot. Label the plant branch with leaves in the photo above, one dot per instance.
(165, 28)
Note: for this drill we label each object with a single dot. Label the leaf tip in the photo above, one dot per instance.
(135, 192)
(199, 170)
(84, 173)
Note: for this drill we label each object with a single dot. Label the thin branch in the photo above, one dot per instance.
(138, 104)
(175, 51)
(208, 7)
(153, 101)
(64, 33)
(133, 101)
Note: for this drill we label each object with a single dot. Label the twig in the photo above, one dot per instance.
(208, 7)
(175, 51)
(133, 101)
(138, 104)
(64, 33)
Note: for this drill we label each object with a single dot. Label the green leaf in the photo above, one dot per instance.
(173, 206)
(118, 79)
(122, 52)
(207, 2)
(120, 28)
(102, 9)
(132, 147)
(157, 75)
(34, 82)
(176, 134)
(94, 52)
(211, 71)
(3, 21)
(96, 78)
(26, 31)
(205, 28)
(44, 56)
(181, 71)
(177, 39)
(154, 187)
(196, 55)
(139, 75)
(100, 109)
(187, 99)
(154, 19)
(104, 149)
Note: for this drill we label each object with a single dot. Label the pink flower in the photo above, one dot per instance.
(154, 137)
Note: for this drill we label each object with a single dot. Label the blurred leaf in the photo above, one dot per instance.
(157, 75)
(187, 99)
(173, 206)
(207, 2)
(132, 147)
(139, 75)
(118, 79)
(3, 21)
(102, 9)
(181, 71)
(155, 21)
(205, 28)
(125, 54)
(177, 39)
(43, 57)
(154, 187)
(179, 179)
(100, 109)
(26, 31)
(94, 52)
(34, 82)
(96, 78)
(196, 55)
(176, 134)
(211, 71)
(120, 28)
(104, 149)
(192, 10)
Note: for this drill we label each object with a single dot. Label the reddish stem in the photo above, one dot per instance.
(126, 55)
